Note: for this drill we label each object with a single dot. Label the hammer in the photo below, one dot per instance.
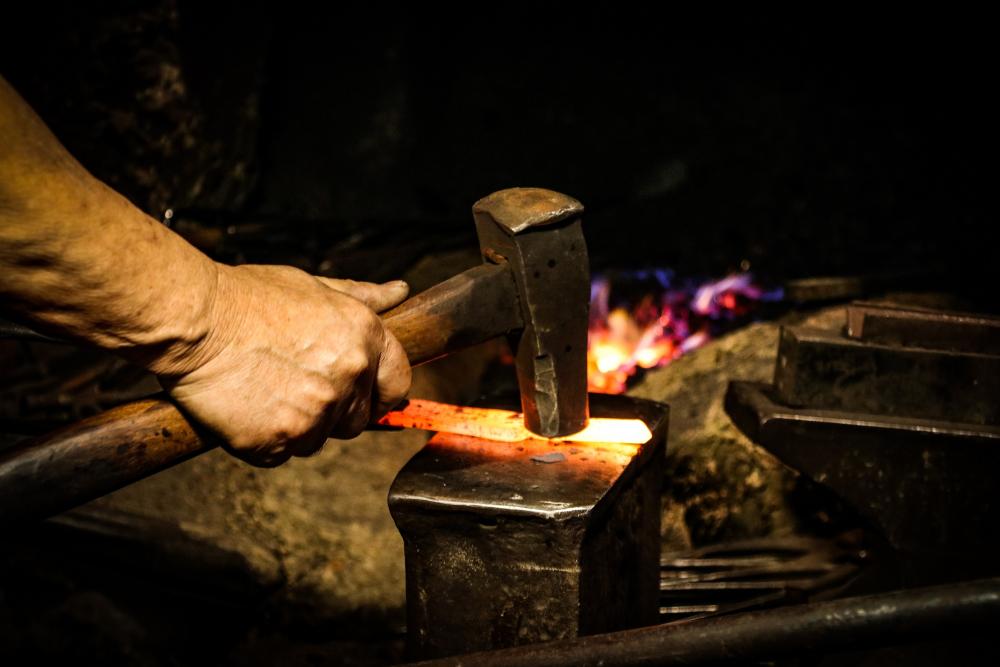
(533, 286)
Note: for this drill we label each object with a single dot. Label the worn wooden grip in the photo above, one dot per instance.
(470, 308)
(103, 453)
(93, 457)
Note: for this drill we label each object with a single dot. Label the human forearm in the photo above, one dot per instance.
(78, 258)
(271, 359)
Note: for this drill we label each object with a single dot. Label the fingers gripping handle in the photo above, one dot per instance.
(98, 455)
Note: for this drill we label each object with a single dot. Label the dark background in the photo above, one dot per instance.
(835, 144)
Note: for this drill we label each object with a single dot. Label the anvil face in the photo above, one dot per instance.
(513, 543)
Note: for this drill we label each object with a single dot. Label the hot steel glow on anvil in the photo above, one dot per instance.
(508, 426)
(667, 318)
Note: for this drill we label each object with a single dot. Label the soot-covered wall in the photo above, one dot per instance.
(828, 145)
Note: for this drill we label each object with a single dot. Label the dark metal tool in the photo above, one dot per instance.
(826, 370)
(906, 326)
(926, 485)
(510, 543)
(756, 574)
(898, 416)
(533, 287)
(969, 610)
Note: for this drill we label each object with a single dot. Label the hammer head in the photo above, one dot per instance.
(538, 234)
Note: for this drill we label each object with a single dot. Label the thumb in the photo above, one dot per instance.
(379, 298)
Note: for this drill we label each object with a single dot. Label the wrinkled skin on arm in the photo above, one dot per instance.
(270, 358)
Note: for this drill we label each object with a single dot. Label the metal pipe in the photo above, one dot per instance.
(851, 623)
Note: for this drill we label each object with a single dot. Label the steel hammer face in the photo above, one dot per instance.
(538, 234)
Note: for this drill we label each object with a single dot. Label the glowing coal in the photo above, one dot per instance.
(657, 318)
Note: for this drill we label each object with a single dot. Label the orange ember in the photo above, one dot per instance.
(623, 344)
(662, 325)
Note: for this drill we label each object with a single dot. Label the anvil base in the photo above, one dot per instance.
(515, 543)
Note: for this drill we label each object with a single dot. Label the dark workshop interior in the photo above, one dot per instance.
(788, 229)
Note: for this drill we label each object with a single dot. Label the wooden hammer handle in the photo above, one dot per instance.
(103, 453)
(470, 308)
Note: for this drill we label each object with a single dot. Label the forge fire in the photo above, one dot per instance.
(646, 319)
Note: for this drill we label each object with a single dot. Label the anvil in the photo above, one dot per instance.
(510, 543)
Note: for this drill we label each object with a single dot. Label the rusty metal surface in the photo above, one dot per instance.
(552, 273)
(520, 209)
(821, 369)
(511, 543)
(889, 324)
(928, 486)
(969, 610)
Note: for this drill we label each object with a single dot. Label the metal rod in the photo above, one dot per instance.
(851, 623)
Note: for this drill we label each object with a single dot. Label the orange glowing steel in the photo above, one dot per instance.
(596, 453)
(507, 426)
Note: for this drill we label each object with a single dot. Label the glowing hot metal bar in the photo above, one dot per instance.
(506, 425)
